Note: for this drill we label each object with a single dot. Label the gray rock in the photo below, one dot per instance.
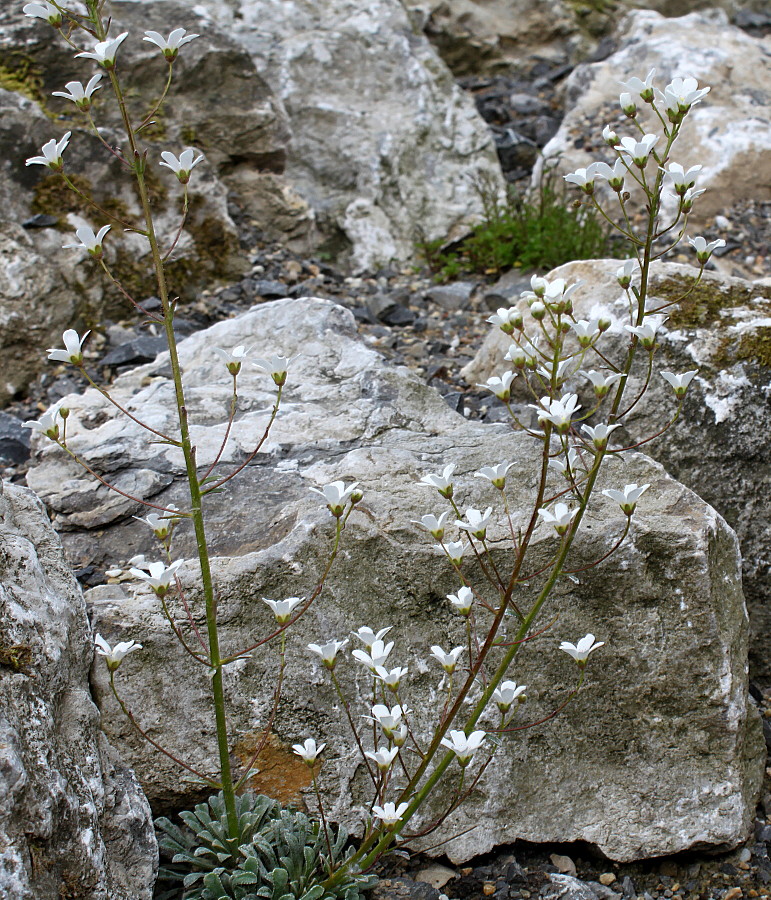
(452, 297)
(568, 887)
(138, 350)
(14, 440)
(73, 820)
(718, 446)
(666, 706)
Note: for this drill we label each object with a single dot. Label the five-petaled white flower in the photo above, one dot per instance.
(45, 11)
(507, 319)
(46, 424)
(477, 522)
(182, 166)
(601, 382)
(79, 95)
(583, 178)
(681, 178)
(160, 575)
(558, 412)
(639, 151)
(104, 52)
(679, 382)
(328, 652)
(561, 464)
(89, 241)
(378, 654)
(703, 249)
(233, 359)
(161, 525)
(282, 609)
(627, 499)
(463, 600)
(309, 750)
(580, 651)
(390, 814)
(615, 175)
(455, 551)
(52, 154)
(496, 475)
(434, 526)
(113, 656)
(600, 434)
(647, 331)
(681, 94)
(585, 331)
(443, 482)
(368, 637)
(561, 517)
(464, 747)
(388, 719)
(170, 45)
(337, 495)
(448, 660)
(500, 385)
(506, 693)
(686, 201)
(643, 88)
(391, 678)
(73, 348)
(383, 757)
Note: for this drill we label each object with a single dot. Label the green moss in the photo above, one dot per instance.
(53, 197)
(16, 657)
(22, 75)
(189, 137)
(704, 303)
(755, 346)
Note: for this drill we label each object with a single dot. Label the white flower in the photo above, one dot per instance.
(627, 498)
(600, 434)
(639, 151)
(73, 352)
(496, 475)
(368, 637)
(561, 464)
(615, 175)
(282, 609)
(506, 693)
(392, 678)
(563, 371)
(113, 656)
(233, 359)
(182, 166)
(477, 522)
(160, 525)
(585, 331)
(377, 656)
(584, 178)
(681, 94)
(434, 526)
(276, 367)
(682, 179)
(647, 331)
(557, 292)
(560, 518)
(580, 651)
(679, 382)
(46, 424)
(538, 285)
(45, 11)
(610, 137)
(455, 551)
(558, 412)
(160, 575)
(89, 241)
(703, 249)
(624, 273)
(689, 196)
(388, 719)
(52, 154)
(448, 660)
(464, 747)
(507, 319)
(643, 88)
(627, 104)
(105, 52)
(463, 600)
(170, 45)
(389, 813)
(443, 482)
(500, 386)
(308, 750)
(383, 757)
(601, 382)
(79, 95)
(328, 652)
(337, 495)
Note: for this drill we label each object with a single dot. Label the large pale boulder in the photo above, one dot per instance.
(666, 706)
(728, 132)
(73, 820)
(718, 447)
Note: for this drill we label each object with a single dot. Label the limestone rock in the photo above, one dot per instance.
(666, 707)
(73, 820)
(728, 133)
(718, 446)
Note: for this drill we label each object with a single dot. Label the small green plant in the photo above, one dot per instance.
(535, 229)
(279, 854)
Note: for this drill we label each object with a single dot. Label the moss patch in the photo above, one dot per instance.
(53, 197)
(20, 74)
(704, 303)
(756, 346)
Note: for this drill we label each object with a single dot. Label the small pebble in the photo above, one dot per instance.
(488, 888)
(607, 878)
(733, 893)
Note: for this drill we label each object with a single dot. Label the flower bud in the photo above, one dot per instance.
(538, 311)
(604, 323)
(628, 105)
